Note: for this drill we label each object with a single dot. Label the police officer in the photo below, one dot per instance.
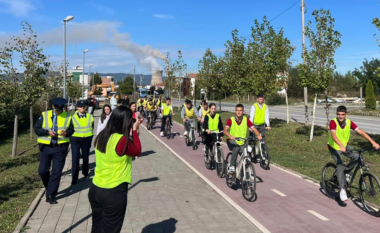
(53, 129)
(81, 140)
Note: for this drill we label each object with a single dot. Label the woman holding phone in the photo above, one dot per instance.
(114, 149)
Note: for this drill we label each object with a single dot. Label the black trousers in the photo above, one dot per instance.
(57, 155)
(164, 122)
(78, 144)
(209, 140)
(108, 208)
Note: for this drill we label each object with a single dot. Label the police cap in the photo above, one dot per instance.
(81, 103)
(59, 101)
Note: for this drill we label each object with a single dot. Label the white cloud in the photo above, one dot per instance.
(18, 8)
(102, 8)
(161, 16)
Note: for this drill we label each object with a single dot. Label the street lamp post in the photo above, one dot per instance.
(85, 51)
(67, 19)
(89, 75)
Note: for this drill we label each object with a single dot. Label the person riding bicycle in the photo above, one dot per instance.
(212, 123)
(140, 106)
(166, 109)
(200, 109)
(338, 144)
(145, 101)
(259, 116)
(238, 126)
(188, 115)
(150, 109)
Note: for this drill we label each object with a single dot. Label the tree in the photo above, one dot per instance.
(179, 67)
(74, 90)
(370, 98)
(170, 77)
(319, 65)
(96, 79)
(369, 71)
(268, 53)
(126, 87)
(235, 68)
(22, 90)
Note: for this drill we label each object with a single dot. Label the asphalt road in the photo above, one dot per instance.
(297, 114)
(285, 201)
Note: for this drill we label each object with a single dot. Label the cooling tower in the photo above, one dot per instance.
(156, 77)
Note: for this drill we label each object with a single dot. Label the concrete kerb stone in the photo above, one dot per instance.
(30, 211)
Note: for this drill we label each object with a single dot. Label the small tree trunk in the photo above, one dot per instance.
(306, 115)
(328, 105)
(31, 122)
(15, 134)
(220, 105)
(238, 99)
(312, 124)
(287, 107)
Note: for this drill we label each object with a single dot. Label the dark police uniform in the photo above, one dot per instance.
(81, 140)
(53, 149)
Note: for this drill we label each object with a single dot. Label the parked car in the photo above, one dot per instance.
(101, 98)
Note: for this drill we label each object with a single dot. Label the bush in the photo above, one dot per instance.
(275, 100)
(370, 98)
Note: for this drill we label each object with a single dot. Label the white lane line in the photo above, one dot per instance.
(278, 192)
(318, 215)
(221, 193)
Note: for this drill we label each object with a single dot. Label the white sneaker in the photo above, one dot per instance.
(185, 133)
(162, 133)
(343, 195)
(231, 169)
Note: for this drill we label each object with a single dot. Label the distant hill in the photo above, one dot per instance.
(121, 76)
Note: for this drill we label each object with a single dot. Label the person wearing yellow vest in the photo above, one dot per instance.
(166, 109)
(150, 110)
(212, 123)
(53, 129)
(81, 140)
(259, 116)
(188, 115)
(338, 143)
(235, 127)
(114, 149)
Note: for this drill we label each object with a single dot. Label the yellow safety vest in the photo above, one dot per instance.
(259, 114)
(213, 123)
(189, 113)
(63, 122)
(145, 102)
(159, 102)
(342, 134)
(167, 110)
(83, 126)
(139, 102)
(150, 107)
(111, 169)
(239, 130)
(204, 113)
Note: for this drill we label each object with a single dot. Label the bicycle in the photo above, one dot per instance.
(150, 120)
(260, 149)
(368, 184)
(216, 156)
(190, 137)
(201, 131)
(168, 128)
(142, 112)
(245, 172)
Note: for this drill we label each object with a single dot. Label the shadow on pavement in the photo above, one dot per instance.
(336, 199)
(144, 180)
(77, 223)
(167, 226)
(148, 152)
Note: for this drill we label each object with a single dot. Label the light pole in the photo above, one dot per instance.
(85, 51)
(89, 75)
(67, 19)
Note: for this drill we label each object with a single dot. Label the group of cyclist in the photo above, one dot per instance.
(257, 124)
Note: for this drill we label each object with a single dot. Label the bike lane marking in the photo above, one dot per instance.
(278, 192)
(227, 198)
(318, 215)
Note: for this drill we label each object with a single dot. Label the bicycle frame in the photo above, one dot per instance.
(242, 161)
(359, 166)
(192, 128)
(216, 144)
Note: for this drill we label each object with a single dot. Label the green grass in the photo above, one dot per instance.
(365, 112)
(289, 146)
(19, 179)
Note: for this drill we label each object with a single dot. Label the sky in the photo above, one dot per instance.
(123, 34)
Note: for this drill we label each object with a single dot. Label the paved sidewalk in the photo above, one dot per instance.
(166, 196)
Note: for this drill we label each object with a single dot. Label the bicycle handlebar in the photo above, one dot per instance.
(360, 151)
(214, 132)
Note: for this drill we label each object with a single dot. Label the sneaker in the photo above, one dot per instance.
(162, 133)
(185, 133)
(343, 195)
(231, 169)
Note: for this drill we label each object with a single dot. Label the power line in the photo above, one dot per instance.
(285, 11)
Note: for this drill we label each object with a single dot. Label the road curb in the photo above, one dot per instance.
(250, 218)
(30, 211)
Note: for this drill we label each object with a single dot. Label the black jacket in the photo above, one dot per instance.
(205, 123)
(43, 132)
(126, 102)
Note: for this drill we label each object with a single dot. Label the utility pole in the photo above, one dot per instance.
(134, 81)
(303, 56)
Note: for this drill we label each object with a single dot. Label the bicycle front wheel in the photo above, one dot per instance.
(330, 180)
(219, 162)
(230, 178)
(249, 182)
(168, 132)
(264, 163)
(193, 140)
(369, 189)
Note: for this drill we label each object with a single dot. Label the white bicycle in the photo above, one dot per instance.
(190, 137)
(216, 156)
